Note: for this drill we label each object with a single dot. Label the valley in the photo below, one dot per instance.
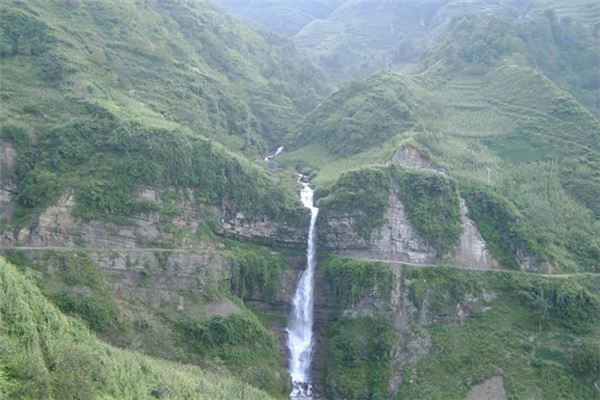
(329, 199)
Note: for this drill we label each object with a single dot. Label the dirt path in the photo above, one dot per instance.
(464, 268)
(103, 249)
(399, 263)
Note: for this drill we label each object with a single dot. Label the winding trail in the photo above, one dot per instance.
(398, 263)
(477, 269)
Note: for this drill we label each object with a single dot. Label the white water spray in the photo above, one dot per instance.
(300, 327)
(272, 156)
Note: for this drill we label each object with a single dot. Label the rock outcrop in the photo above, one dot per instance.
(8, 157)
(409, 157)
(491, 389)
(471, 250)
(395, 240)
(262, 229)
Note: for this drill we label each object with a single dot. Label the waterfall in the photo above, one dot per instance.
(273, 155)
(300, 326)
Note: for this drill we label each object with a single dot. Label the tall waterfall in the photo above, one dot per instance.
(300, 327)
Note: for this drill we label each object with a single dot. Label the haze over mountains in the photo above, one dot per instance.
(153, 252)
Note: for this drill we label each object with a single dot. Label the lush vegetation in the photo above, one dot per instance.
(243, 344)
(358, 359)
(363, 193)
(500, 224)
(108, 103)
(255, 274)
(566, 51)
(351, 281)
(431, 201)
(488, 111)
(432, 204)
(532, 330)
(231, 340)
(360, 115)
(103, 158)
(45, 355)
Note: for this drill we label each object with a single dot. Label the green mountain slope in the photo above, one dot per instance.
(360, 37)
(486, 116)
(200, 69)
(102, 96)
(456, 329)
(46, 355)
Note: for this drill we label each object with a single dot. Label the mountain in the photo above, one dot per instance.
(283, 17)
(477, 112)
(155, 157)
(358, 38)
(89, 99)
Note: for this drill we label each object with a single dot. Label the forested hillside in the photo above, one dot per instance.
(482, 112)
(356, 38)
(101, 104)
(325, 199)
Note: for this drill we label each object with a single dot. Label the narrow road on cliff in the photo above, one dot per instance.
(398, 263)
(478, 269)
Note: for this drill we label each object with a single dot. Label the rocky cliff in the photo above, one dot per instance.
(8, 158)
(396, 239)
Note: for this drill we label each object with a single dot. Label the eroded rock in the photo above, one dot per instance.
(492, 389)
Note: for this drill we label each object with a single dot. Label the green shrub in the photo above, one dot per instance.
(96, 311)
(22, 34)
(500, 224)
(432, 205)
(255, 274)
(45, 355)
(350, 281)
(358, 358)
(586, 360)
(360, 115)
(242, 343)
(566, 302)
(362, 193)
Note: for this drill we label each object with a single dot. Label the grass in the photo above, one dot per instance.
(47, 354)
(536, 332)
(73, 73)
(495, 119)
(214, 329)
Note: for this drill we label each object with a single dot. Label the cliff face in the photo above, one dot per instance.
(410, 304)
(396, 239)
(471, 250)
(58, 226)
(263, 230)
(8, 158)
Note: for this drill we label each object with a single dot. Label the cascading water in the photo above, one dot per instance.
(300, 327)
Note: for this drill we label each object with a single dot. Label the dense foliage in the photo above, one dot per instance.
(363, 193)
(358, 363)
(351, 281)
(500, 224)
(360, 115)
(46, 355)
(535, 329)
(110, 103)
(255, 274)
(432, 204)
(103, 158)
(243, 344)
(567, 52)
